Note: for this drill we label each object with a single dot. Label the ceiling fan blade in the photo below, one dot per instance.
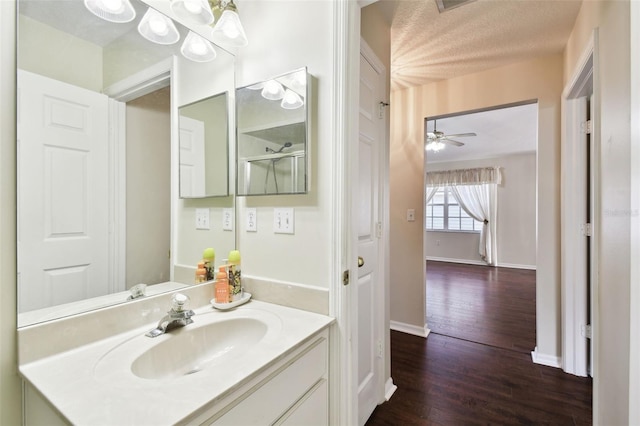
(452, 142)
(462, 135)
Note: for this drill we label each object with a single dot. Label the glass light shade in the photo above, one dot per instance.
(196, 11)
(273, 90)
(435, 146)
(229, 29)
(118, 11)
(197, 48)
(291, 100)
(156, 27)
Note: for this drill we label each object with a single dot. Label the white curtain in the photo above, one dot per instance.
(476, 191)
(479, 202)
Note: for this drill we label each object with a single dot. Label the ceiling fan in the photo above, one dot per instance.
(436, 141)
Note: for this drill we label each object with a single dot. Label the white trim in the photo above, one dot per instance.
(451, 260)
(143, 82)
(516, 266)
(117, 176)
(410, 329)
(545, 359)
(389, 389)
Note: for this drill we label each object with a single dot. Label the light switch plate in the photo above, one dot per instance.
(227, 219)
(411, 215)
(202, 219)
(283, 221)
(252, 220)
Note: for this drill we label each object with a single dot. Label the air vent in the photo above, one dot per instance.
(445, 5)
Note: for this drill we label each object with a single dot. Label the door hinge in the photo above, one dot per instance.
(585, 330)
(586, 127)
(345, 277)
(586, 229)
(379, 347)
(381, 107)
(378, 229)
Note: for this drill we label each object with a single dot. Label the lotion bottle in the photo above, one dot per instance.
(235, 276)
(222, 286)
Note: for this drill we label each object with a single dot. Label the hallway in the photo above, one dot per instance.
(475, 367)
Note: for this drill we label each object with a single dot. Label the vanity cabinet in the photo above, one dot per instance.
(293, 391)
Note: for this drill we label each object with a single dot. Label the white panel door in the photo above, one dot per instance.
(369, 343)
(192, 173)
(63, 227)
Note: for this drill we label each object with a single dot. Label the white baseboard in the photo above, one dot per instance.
(545, 359)
(480, 263)
(409, 329)
(450, 260)
(389, 389)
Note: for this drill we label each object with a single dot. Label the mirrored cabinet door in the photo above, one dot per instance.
(272, 142)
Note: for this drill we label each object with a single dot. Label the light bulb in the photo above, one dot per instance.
(291, 100)
(197, 49)
(272, 90)
(112, 5)
(193, 6)
(158, 25)
(157, 28)
(230, 31)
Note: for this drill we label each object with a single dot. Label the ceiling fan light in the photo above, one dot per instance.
(435, 146)
(229, 28)
(272, 91)
(197, 49)
(117, 11)
(157, 28)
(196, 11)
(291, 100)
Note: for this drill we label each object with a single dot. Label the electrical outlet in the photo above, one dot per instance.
(411, 215)
(283, 221)
(252, 220)
(202, 219)
(227, 219)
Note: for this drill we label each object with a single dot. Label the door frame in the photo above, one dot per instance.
(575, 312)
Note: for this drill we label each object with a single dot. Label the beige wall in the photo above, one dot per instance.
(10, 389)
(516, 225)
(611, 381)
(539, 78)
(148, 154)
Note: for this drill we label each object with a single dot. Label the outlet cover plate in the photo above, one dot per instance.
(252, 220)
(283, 221)
(227, 219)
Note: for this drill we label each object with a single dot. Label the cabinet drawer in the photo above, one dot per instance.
(312, 410)
(271, 400)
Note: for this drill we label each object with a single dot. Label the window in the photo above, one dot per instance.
(445, 214)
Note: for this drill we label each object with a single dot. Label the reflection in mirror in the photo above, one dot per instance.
(272, 136)
(96, 208)
(204, 143)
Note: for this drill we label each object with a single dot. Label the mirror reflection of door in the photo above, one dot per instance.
(192, 172)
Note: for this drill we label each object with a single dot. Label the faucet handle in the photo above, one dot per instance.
(179, 302)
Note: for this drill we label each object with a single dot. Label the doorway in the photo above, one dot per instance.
(466, 298)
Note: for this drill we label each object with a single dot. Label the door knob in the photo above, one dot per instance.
(360, 261)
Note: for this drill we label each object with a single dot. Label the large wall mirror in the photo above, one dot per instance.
(272, 135)
(98, 195)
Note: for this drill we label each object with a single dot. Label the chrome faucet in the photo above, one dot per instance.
(178, 316)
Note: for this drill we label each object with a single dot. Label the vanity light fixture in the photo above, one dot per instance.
(291, 100)
(197, 48)
(157, 28)
(273, 90)
(118, 11)
(197, 11)
(228, 28)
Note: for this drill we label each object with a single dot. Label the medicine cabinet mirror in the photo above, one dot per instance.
(204, 148)
(98, 200)
(272, 147)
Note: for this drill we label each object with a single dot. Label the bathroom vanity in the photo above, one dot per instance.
(259, 363)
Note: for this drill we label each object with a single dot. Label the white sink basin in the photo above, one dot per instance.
(213, 339)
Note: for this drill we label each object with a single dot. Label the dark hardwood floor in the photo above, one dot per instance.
(475, 367)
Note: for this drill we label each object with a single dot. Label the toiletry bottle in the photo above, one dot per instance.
(222, 286)
(201, 273)
(235, 275)
(209, 258)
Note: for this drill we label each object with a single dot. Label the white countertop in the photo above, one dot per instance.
(77, 382)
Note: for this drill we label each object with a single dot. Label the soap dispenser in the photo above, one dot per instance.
(222, 286)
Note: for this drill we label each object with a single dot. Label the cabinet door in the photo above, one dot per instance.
(312, 410)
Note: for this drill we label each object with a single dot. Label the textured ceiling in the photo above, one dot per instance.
(428, 46)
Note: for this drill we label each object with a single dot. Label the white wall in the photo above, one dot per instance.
(148, 153)
(10, 388)
(612, 343)
(284, 36)
(516, 225)
(538, 78)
